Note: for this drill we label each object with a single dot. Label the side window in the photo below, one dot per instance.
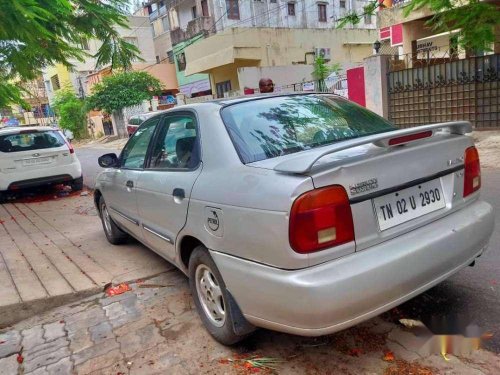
(176, 146)
(134, 153)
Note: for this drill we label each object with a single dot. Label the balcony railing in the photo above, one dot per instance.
(163, 10)
(153, 15)
(194, 27)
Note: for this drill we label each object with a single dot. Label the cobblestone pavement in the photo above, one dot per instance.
(155, 329)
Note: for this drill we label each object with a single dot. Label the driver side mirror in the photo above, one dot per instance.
(108, 160)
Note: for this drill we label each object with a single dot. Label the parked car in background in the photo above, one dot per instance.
(37, 156)
(135, 121)
(304, 213)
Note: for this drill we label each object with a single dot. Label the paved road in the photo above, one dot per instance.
(88, 157)
(475, 291)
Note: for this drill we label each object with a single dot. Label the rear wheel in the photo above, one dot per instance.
(114, 234)
(77, 184)
(211, 297)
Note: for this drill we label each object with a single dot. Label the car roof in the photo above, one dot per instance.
(18, 129)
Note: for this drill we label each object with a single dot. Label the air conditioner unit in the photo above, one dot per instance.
(325, 52)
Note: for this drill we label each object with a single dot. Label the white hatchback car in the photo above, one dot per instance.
(37, 156)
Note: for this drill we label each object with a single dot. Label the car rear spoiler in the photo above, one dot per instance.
(303, 162)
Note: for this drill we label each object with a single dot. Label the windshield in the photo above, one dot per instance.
(266, 128)
(30, 141)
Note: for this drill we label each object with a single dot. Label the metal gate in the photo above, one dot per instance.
(445, 89)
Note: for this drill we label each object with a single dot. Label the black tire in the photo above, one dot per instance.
(77, 184)
(224, 334)
(114, 234)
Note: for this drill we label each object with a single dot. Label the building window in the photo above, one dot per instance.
(165, 24)
(232, 9)
(170, 56)
(174, 18)
(222, 87)
(273, 1)
(193, 12)
(368, 19)
(322, 12)
(204, 8)
(291, 9)
(132, 40)
(181, 61)
(54, 80)
(342, 4)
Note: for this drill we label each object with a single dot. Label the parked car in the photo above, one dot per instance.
(37, 156)
(305, 214)
(135, 121)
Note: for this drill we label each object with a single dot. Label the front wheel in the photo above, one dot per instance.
(114, 234)
(211, 297)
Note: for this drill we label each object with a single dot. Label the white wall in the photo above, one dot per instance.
(266, 14)
(281, 75)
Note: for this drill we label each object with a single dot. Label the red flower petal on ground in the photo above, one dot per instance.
(355, 352)
(388, 356)
(20, 358)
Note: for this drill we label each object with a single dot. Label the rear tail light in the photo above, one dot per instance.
(70, 146)
(320, 219)
(472, 173)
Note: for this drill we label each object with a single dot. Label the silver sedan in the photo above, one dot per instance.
(304, 213)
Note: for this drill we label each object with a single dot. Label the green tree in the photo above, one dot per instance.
(71, 112)
(322, 70)
(475, 19)
(39, 33)
(122, 90)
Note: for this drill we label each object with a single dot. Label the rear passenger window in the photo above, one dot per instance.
(30, 141)
(176, 146)
(134, 152)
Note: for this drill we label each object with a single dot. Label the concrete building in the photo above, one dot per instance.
(411, 35)
(191, 21)
(59, 76)
(223, 55)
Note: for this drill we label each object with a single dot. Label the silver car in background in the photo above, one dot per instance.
(304, 213)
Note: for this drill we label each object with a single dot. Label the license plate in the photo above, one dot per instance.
(37, 161)
(407, 204)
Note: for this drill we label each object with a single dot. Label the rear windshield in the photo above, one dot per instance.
(30, 140)
(266, 128)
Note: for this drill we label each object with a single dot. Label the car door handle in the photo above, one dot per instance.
(179, 193)
(130, 184)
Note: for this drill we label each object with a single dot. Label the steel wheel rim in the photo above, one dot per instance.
(210, 295)
(106, 219)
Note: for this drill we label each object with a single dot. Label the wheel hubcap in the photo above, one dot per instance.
(210, 295)
(106, 219)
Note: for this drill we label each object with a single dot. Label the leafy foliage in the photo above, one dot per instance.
(321, 71)
(475, 19)
(122, 90)
(39, 33)
(71, 111)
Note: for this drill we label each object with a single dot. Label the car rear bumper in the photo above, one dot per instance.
(336, 295)
(41, 177)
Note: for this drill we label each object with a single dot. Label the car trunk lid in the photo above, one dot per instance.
(396, 181)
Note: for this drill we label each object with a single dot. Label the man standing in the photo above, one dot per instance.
(266, 85)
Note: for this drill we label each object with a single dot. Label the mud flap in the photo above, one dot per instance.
(241, 326)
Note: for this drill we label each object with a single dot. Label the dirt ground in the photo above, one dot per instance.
(488, 144)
